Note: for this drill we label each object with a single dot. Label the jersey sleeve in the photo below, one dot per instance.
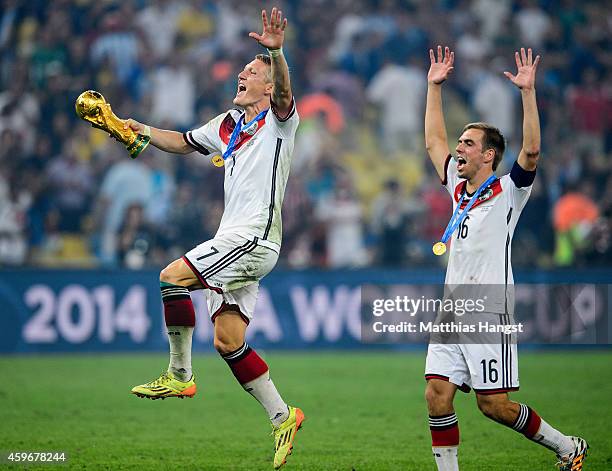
(451, 177)
(205, 139)
(519, 182)
(283, 127)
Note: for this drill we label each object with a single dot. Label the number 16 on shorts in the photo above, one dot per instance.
(486, 368)
(497, 368)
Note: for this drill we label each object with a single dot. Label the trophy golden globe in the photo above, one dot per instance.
(92, 107)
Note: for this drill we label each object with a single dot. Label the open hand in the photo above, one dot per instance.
(273, 33)
(442, 67)
(526, 70)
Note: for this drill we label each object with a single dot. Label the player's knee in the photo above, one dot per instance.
(169, 274)
(165, 275)
(225, 345)
(438, 400)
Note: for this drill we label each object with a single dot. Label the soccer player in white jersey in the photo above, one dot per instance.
(246, 246)
(480, 254)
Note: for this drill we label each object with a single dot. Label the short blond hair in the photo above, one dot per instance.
(268, 61)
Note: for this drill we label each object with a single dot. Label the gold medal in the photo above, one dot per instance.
(439, 248)
(217, 161)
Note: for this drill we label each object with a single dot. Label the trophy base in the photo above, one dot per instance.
(140, 143)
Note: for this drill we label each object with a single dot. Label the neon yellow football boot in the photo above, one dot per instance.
(166, 386)
(284, 435)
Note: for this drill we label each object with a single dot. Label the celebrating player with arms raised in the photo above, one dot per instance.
(256, 147)
(487, 209)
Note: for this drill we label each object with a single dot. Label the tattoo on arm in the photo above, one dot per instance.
(281, 95)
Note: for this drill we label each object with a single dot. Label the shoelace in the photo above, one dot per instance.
(159, 380)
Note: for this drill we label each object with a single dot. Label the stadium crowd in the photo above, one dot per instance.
(362, 192)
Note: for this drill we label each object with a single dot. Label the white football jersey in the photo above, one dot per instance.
(255, 174)
(480, 248)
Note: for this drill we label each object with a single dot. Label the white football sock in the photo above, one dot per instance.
(553, 439)
(265, 392)
(180, 351)
(446, 458)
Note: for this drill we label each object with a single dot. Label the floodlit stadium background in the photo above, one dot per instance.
(84, 230)
(358, 71)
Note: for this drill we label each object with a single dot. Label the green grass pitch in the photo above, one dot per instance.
(365, 411)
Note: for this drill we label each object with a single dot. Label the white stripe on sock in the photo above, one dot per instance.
(237, 353)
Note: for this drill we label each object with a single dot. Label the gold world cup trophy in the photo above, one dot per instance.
(92, 107)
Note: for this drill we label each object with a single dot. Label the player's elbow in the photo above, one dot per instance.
(530, 158)
(181, 146)
(429, 145)
(532, 152)
(185, 149)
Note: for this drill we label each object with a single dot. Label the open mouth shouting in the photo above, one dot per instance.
(461, 163)
(241, 90)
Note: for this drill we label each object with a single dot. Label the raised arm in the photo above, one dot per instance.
(525, 81)
(436, 140)
(272, 38)
(168, 141)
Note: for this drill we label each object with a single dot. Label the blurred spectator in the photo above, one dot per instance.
(364, 58)
(135, 240)
(601, 235)
(49, 55)
(158, 209)
(13, 208)
(71, 182)
(590, 106)
(400, 92)
(492, 87)
(173, 93)
(342, 216)
(532, 23)
(304, 237)
(119, 45)
(8, 21)
(575, 214)
(472, 46)
(535, 234)
(185, 219)
(323, 179)
(127, 182)
(409, 38)
(159, 24)
(492, 14)
(350, 23)
(344, 88)
(19, 112)
(390, 219)
(195, 22)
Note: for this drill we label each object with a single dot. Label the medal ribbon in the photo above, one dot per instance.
(457, 216)
(236, 132)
